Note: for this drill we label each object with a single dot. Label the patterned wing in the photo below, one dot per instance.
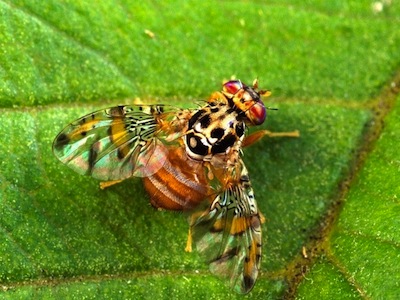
(228, 235)
(114, 143)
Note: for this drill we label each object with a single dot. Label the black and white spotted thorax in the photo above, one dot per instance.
(218, 128)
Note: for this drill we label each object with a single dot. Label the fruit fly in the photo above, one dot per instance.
(190, 160)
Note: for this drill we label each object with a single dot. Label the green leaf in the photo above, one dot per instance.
(330, 197)
(363, 249)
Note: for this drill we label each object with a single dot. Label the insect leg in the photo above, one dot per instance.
(106, 184)
(189, 241)
(192, 219)
(256, 136)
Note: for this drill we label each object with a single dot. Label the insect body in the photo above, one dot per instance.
(190, 160)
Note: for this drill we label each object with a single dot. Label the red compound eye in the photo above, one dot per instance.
(233, 86)
(257, 113)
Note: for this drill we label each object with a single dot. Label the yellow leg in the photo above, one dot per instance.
(106, 184)
(254, 137)
(189, 241)
(294, 133)
(262, 218)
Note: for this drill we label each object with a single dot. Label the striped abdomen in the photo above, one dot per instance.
(180, 184)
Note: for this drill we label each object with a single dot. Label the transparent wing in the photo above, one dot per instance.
(228, 235)
(114, 143)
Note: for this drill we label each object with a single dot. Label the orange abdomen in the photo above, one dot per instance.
(181, 184)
